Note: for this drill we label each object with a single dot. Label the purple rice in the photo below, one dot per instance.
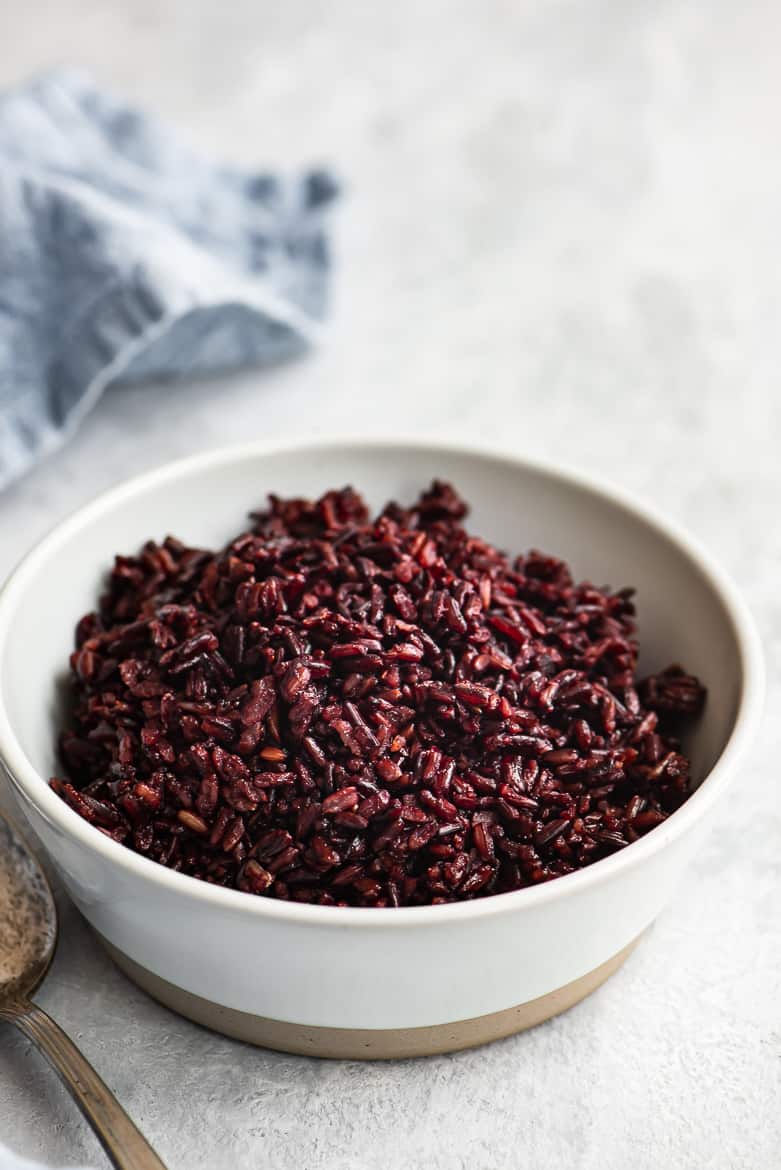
(356, 712)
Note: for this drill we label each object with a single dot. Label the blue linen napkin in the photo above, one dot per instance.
(124, 255)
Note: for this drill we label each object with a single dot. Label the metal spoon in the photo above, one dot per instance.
(28, 936)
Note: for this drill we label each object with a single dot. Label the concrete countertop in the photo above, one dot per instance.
(560, 233)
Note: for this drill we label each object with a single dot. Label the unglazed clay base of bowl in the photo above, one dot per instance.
(367, 1043)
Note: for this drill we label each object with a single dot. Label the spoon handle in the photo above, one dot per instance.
(125, 1145)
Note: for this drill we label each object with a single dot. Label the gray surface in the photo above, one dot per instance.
(563, 233)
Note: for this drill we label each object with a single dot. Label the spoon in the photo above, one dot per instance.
(28, 937)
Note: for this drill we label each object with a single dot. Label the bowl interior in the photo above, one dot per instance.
(681, 615)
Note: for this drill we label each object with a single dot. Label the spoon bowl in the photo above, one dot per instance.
(28, 917)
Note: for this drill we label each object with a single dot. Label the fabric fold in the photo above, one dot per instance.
(126, 256)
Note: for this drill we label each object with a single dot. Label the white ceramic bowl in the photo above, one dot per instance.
(362, 981)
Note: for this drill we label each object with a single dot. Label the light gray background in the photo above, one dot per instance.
(562, 233)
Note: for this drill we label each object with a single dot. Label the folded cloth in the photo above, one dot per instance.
(124, 255)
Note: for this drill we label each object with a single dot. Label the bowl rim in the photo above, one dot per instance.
(34, 789)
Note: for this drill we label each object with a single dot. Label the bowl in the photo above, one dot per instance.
(375, 983)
